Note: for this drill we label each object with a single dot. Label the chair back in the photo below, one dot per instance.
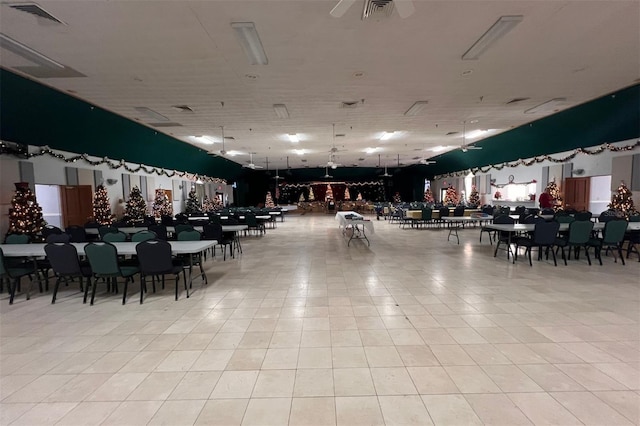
(143, 236)
(564, 218)
(181, 227)
(50, 230)
(250, 220)
(444, 212)
(580, 231)
(505, 210)
(58, 238)
(614, 231)
(504, 219)
(149, 220)
(212, 231)
(115, 237)
(529, 219)
(106, 230)
(634, 218)
(63, 258)
(160, 231)
(520, 210)
(427, 213)
(583, 215)
(488, 210)
(547, 212)
(17, 239)
(154, 257)
(458, 211)
(607, 215)
(103, 258)
(77, 234)
(189, 236)
(166, 220)
(545, 233)
(3, 269)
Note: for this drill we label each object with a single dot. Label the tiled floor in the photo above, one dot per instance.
(304, 330)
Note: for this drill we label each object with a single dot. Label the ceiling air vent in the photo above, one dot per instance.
(452, 133)
(377, 9)
(340, 135)
(516, 100)
(36, 10)
(349, 104)
(165, 124)
(182, 108)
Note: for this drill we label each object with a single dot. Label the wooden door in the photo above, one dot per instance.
(576, 193)
(77, 204)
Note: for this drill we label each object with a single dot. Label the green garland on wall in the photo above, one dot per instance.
(20, 151)
(541, 158)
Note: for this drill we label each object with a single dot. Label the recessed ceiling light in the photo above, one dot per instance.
(548, 106)
(293, 137)
(28, 53)
(370, 150)
(439, 148)
(299, 151)
(475, 134)
(387, 135)
(151, 114)
(501, 27)
(207, 140)
(473, 121)
(250, 41)
(416, 108)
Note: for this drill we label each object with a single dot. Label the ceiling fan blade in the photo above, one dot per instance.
(341, 8)
(474, 147)
(405, 8)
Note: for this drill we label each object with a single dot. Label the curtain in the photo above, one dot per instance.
(338, 191)
(319, 191)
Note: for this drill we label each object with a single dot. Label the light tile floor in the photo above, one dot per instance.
(304, 330)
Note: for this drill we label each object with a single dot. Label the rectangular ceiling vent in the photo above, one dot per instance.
(516, 100)
(340, 135)
(452, 133)
(349, 104)
(377, 9)
(36, 10)
(165, 124)
(182, 108)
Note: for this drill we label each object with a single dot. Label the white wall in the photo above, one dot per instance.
(51, 171)
(48, 197)
(593, 165)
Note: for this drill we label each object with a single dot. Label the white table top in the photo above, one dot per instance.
(341, 215)
(177, 247)
(343, 222)
(467, 218)
(520, 227)
(133, 229)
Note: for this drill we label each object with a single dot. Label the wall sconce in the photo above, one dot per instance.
(111, 181)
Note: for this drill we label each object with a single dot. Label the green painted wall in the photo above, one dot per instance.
(33, 114)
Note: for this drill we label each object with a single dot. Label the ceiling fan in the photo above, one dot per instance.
(331, 163)
(405, 7)
(464, 146)
(385, 172)
(333, 149)
(424, 160)
(222, 152)
(277, 176)
(251, 165)
(326, 173)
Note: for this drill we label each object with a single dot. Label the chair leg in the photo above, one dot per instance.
(555, 262)
(55, 290)
(177, 282)
(86, 290)
(529, 249)
(620, 253)
(586, 253)
(93, 290)
(143, 287)
(185, 282)
(12, 289)
(563, 256)
(599, 254)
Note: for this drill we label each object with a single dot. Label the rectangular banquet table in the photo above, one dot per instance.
(126, 249)
(455, 222)
(355, 226)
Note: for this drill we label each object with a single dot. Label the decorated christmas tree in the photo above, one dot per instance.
(301, 199)
(622, 201)
(311, 196)
(347, 196)
(136, 208)
(268, 202)
(25, 214)
(451, 196)
(428, 196)
(217, 202)
(329, 194)
(101, 206)
(474, 197)
(207, 204)
(162, 206)
(193, 205)
(554, 191)
(359, 198)
(396, 198)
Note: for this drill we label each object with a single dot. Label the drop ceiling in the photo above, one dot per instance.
(182, 60)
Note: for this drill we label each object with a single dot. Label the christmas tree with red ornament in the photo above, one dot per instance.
(101, 206)
(622, 201)
(25, 214)
(451, 197)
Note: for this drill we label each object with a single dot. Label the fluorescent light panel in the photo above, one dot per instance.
(151, 114)
(386, 136)
(502, 26)
(250, 41)
(28, 53)
(293, 137)
(548, 106)
(416, 108)
(281, 110)
(207, 140)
